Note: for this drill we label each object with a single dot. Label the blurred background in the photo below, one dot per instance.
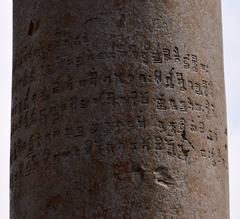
(231, 34)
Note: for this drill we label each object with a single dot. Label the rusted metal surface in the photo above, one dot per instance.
(118, 110)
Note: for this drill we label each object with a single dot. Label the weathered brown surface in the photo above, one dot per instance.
(118, 110)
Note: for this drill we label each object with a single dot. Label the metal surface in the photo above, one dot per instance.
(118, 110)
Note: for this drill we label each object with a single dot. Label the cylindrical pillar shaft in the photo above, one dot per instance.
(118, 110)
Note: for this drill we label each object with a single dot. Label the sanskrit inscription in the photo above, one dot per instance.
(117, 110)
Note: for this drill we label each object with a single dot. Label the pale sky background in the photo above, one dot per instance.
(231, 33)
